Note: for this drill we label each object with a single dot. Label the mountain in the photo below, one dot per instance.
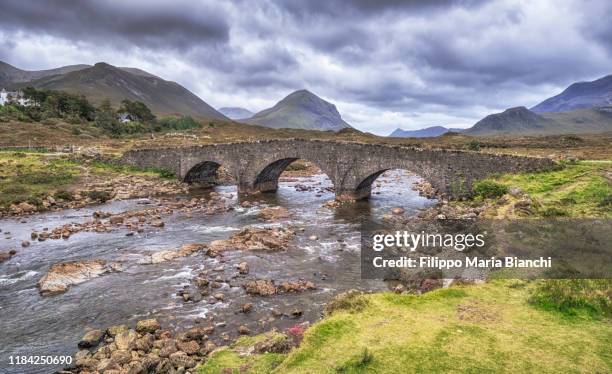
(301, 110)
(428, 132)
(513, 120)
(582, 95)
(235, 112)
(10, 75)
(522, 121)
(104, 81)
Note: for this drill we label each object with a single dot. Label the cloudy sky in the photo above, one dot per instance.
(384, 63)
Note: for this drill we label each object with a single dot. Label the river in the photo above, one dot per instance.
(34, 325)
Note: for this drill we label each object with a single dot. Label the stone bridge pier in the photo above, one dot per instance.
(352, 167)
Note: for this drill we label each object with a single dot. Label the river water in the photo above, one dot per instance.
(34, 325)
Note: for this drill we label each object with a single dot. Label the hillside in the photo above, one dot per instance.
(521, 121)
(104, 81)
(235, 112)
(580, 95)
(428, 132)
(301, 110)
(10, 75)
(513, 120)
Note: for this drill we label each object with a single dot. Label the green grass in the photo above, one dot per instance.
(575, 297)
(581, 189)
(466, 329)
(237, 359)
(30, 177)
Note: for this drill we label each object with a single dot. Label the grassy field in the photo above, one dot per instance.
(579, 190)
(494, 327)
(30, 177)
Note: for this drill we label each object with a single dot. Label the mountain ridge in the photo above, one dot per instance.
(579, 95)
(104, 81)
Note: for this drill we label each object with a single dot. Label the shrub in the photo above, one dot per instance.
(97, 195)
(474, 145)
(64, 195)
(489, 189)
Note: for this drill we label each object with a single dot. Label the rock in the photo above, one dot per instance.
(515, 191)
(274, 213)
(126, 340)
(254, 238)
(91, 339)
(246, 308)
(398, 210)
(243, 330)
(121, 357)
(147, 325)
(313, 237)
(261, 287)
(181, 359)
(5, 256)
(62, 275)
(107, 364)
(116, 220)
(34, 235)
(399, 288)
(168, 348)
(117, 329)
(219, 296)
(169, 255)
(243, 268)
(25, 243)
(296, 313)
(190, 347)
(158, 223)
(297, 286)
(145, 343)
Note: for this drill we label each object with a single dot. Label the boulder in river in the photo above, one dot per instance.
(274, 213)
(147, 325)
(168, 255)
(62, 275)
(254, 238)
(5, 256)
(261, 287)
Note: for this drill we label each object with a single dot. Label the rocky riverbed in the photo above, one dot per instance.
(241, 267)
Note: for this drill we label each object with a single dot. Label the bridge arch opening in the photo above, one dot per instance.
(268, 178)
(207, 174)
(395, 184)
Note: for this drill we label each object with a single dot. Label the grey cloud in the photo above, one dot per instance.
(123, 24)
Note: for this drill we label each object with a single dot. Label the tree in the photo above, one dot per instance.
(137, 109)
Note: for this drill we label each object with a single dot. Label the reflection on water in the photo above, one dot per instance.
(33, 325)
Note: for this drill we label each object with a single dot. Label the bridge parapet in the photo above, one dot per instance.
(352, 167)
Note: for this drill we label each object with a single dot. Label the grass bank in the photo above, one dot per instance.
(499, 326)
(31, 177)
(580, 190)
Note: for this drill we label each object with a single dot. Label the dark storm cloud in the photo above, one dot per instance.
(129, 24)
(407, 57)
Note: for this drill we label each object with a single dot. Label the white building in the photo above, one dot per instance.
(13, 97)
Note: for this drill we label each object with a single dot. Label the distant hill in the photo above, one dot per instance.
(583, 95)
(10, 75)
(522, 121)
(235, 112)
(104, 81)
(428, 132)
(301, 110)
(510, 121)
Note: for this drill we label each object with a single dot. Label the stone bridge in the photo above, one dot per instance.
(352, 167)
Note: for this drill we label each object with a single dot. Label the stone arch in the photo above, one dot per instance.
(363, 189)
(204, 172)
(266, 180)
